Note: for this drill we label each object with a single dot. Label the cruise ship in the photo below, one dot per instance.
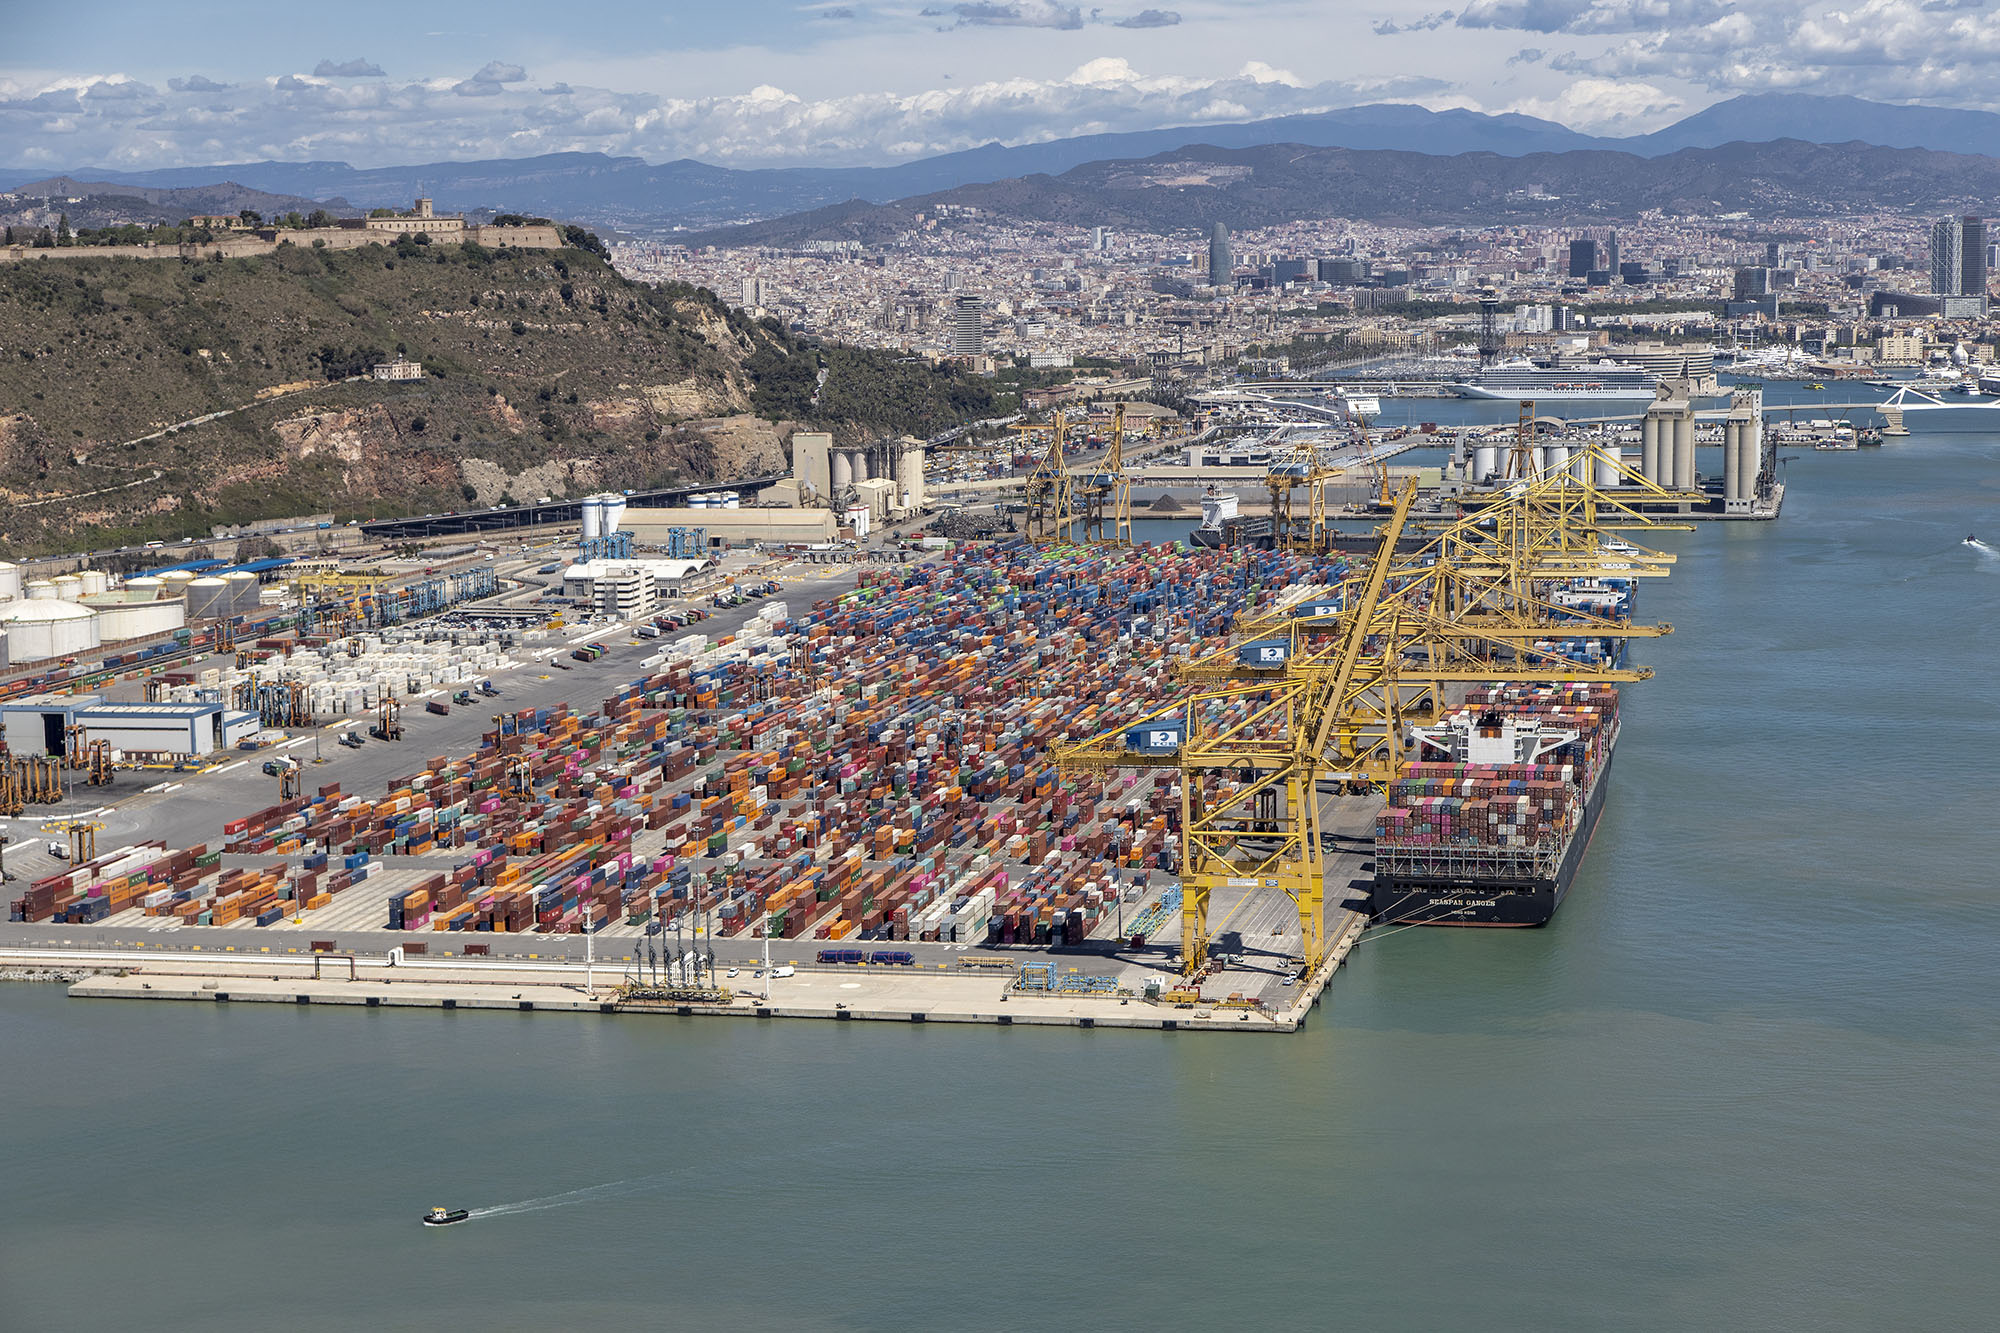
(1607, 381)
(1624, 374)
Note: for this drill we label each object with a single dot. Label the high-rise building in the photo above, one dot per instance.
(1752, 282)
(1958, 256)
(968, 326)
(1774, 254)
(756, 293)
(1611, 251)
(1220, 262)
(1582, 257)
(1100, 239)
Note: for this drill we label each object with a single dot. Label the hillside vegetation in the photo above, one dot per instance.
(544, 373)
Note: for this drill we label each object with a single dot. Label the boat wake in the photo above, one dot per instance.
(588, 1194)
(1983, 548)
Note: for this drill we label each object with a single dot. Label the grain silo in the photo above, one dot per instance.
(207, 599)
(45, 628)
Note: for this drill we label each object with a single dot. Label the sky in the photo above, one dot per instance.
(874, 82)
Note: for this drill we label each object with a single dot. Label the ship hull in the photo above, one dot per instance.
(1542, 394)
(1492, 902)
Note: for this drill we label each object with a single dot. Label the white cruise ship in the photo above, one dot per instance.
(1606, 381)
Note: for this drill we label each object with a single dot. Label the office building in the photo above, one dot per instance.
(1582, 257)
(1958, 257)
(968, 326)
(1752, 283)
(1221, 264)
(1611, 252)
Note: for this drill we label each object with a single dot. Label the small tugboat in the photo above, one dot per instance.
(441, 1217)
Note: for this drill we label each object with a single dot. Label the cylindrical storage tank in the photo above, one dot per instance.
(1485, 461)
(10, 581)
(142, 589)
(1607, 468)
(843, 470)
(69, 588)
(910, 479)
(1579, 466)
(731, 500)
(593, 519)
(95, 581)
(46, 628)
(1684, 453)
(1555, 459)
(207, 599)
(614, 514)
(1649, 448)
(119, 620)
(174, 583)
(41, 590)
(243, 590)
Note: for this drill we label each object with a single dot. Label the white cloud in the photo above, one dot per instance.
(348, 69)
(1605, 106)
(497, 112)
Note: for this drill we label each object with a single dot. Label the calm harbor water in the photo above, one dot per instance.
(1745, 1080)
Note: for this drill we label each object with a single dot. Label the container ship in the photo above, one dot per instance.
(1489, 826)
(1222, 527)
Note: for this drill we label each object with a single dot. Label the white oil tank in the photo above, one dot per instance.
(243, 592)
(69, 587)
(10, 581)
(207, 599)
(593, 519)
(41, 590)
(118, 621)
(142, 589)
(47, 628)
(613, 515)
(95, 581)
(174, 582)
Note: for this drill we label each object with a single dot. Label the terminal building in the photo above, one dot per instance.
(50, 724)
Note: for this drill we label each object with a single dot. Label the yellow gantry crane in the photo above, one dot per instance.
(1106, 492)
(1323, 700)
(1300, 467)
(1052, 513)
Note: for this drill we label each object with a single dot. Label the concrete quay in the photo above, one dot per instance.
(875, 994)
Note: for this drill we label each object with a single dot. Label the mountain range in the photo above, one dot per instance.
(1278, 183)
(629, 193)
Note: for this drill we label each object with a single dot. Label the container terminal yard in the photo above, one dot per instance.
(1055, 778)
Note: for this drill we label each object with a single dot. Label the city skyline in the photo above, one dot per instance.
(769, 81)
